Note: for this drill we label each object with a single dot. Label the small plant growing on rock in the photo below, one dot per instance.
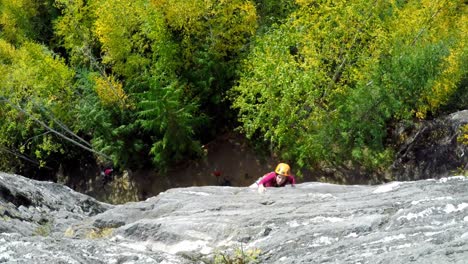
(43, 229)
(239, 256)
(463, 138)
(3, 215)
(69, 232)
(100, 233)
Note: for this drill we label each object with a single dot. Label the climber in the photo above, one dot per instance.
(221, 180)
(106, 175)
(278, 178)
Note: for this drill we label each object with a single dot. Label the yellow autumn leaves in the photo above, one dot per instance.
(110, 92)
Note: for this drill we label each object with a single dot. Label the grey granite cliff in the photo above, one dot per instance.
(399, 222)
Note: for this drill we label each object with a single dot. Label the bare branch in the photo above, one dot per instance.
(55, 131)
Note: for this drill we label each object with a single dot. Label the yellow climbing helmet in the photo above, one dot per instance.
(283, 169)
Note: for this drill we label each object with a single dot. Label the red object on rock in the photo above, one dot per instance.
(108, 172)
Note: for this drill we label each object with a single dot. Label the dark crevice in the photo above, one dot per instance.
(17, 199)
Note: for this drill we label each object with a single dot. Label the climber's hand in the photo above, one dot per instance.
(261, 188)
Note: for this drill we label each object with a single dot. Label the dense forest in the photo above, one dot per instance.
(145, 83)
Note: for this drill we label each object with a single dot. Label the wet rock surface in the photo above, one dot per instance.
(399, 222)
(431, 148)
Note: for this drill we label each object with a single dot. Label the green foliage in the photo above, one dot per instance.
(36, 87)
(25, 20)
(148, 81)
(15, 19)
(221, 27)
(459, 99)
(107, 125)
(74, 29)
(273, 12)
(136, 111)
(171, 122)
(463, 138)
(130, 44)
(324, 85)
(212, 35)
(238, 256)
(160, 77)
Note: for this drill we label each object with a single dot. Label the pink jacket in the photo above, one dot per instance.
(269, 180)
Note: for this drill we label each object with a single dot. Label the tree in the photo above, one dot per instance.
(139, 106)
(36, 92)
(212, 36)
(26, 20)
(322, 87)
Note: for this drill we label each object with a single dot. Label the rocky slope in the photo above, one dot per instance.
(399, 222)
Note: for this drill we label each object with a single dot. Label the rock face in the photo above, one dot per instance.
(399, 222)
(431, 149)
